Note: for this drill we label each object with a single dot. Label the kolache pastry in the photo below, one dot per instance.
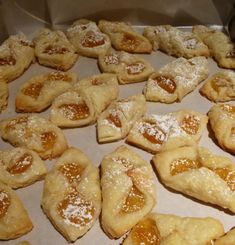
(129, 68)
(14, 219)
(38, 92)
(156, 133)
(219, 44)
(220, 87)
(4, 93)
(35, 133)
(16, 55)
(199, 173)
(53, 49)
(166, 229)
(71, 196)
(128, 191)
(20, 167)
(87, 38)
(175, 42)
(226, 239)
(222, 121)
(84, 102)
(123, 37)
(176, 79)
(117, 120)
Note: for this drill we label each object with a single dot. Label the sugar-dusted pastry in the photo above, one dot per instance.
(123, 37)
(16, 55)
(166, 229)
(4, 93)
(175, 42)
(220, 87)
(128, 191)
(35, 133)
(87, 38)
(155, 133)
(116, 122)
(176, 79)
(71, 197)
(219, 44)
(129, 68)
(20, 167)
(222, 121)
(84, 102)
(14, 219)
(38, 92)
(53, 49)
(227, 239)
(198, 173)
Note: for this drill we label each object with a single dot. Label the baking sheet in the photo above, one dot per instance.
(84, 138)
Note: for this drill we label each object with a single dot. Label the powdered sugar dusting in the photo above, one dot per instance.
(190, 43)
(111, 59)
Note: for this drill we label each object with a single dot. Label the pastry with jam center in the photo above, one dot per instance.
(53, 49)
(87, 38)
(123, 37)
(156, 133)
(220, 87)
(226, 239)
(222, 121)
(197, 172)
(176, 79)
(14, 219)
(129, 68)
(84, 102)
(4, 93)
(38, 92)
(173, 41)
(157, 229)
(35, 133)
(20, 167)
(128, 191)
(71, 196)
(115, 122)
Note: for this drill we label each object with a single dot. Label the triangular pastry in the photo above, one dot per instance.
(35, 133)
(4, 93)
(155, 133)
(198, 173)
(20, 167)
(123, 37)
(227, 239)
(53, 49)
(71, 197)
(37, 93)
(116, 122)
(176, 79)
(128, 191)
(14, 219)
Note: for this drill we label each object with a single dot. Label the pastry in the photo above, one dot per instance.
(175, 42)
(219, 44)
(198, 173)
(222, 121)
(155, 133)
(166, 229)
(116, 122)
(53, 49)
(35, 133)
(87, 39)
(14, 219)
(227, 239)
(20, 167)
(123, 37)
(220, 87)
(37, 93)
(129, 68)
(24, 243)
(16, 55)
(4, 93)
(128, 191)
(71, 196)
(84, 102)
(176, 79)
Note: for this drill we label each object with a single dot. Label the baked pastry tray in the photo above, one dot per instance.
(84, 138)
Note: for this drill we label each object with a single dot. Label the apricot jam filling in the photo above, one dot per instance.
(190, 124)
(72, 171)
(166, 83)
(33, 90)
(4, 203)
(22, 164)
